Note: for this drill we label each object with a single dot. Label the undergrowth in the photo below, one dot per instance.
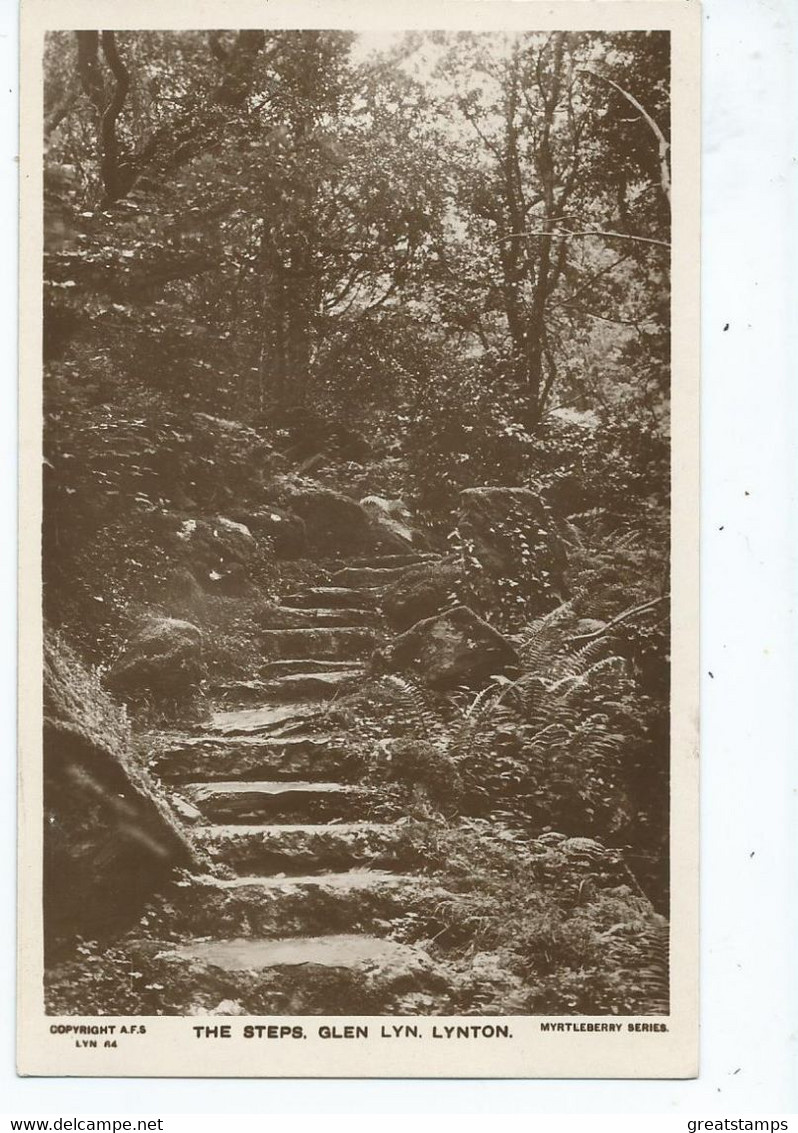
(562, 915)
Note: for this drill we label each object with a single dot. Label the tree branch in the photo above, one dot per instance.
(117, 176)
(619, 618)
(237, 64)
(662, 141)
(603, 318)
(59, 112)
(586, 286)
(560, 235)
(494, 149)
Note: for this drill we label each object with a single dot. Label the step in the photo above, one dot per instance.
(290, 617)
(330, 644)
(370, 578)
(343, 881)
(276, 719)
(288, 976)
(302, 685)
(300, 756)
(346, 950)
(273, 669)
(307, 848)
(311, 685)
(361, 899)
(330, 597)
(411, 558)
(246, 802)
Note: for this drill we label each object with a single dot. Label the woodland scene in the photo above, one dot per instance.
(356, 522)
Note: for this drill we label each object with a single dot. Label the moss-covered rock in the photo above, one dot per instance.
(109, 838)
(508, 539)
(164, 658)
(283, 532)
(451, 649)
(334, 523)
(421, 591)
(391, 523)
(215, 546)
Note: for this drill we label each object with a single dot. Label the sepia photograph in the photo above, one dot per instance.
(356, 529)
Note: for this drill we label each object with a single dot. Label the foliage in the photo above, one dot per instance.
(439, 266)
(563, 916)
(545, 748)
(578, 743)
(74, 695)
(534, 196)
(106, 979)
(342, 215)
(119, 481)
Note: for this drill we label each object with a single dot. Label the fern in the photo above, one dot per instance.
(575, 664)
(655, 976)
(426, 721)
(546, 747)
(542, 638)
(474, 722)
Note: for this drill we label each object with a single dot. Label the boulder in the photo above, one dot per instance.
(284, 533)
(110, 839)
(236, 538)
(217, 540)
(231, 583)
(215, 548)
(391, 523)
(451, 649)
(422, 591)
(311, 434)
(507, 534)
(182, 593)
(334, 523)
(165, 657)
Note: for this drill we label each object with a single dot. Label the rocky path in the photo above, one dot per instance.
(292, 915)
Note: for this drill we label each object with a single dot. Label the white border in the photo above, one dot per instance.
(749, 907)
(639, 1048)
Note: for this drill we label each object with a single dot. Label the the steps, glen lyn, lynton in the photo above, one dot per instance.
(301, 881)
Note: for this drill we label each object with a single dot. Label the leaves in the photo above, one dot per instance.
(401, 265)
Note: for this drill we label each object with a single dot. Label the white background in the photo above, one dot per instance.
(749, 974)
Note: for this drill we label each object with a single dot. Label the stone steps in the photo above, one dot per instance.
(333, 974)
(330, 597)
(273, 669)
(368, 578)
(292, 617)
(333, 951)
(297, 848)
(343, 881)
(334, 644)
(244, 801)
(274, 719)
(295, 916)
(411, 558)
(302, 685)
(300, 756)
(279, 905)
(310, 685)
